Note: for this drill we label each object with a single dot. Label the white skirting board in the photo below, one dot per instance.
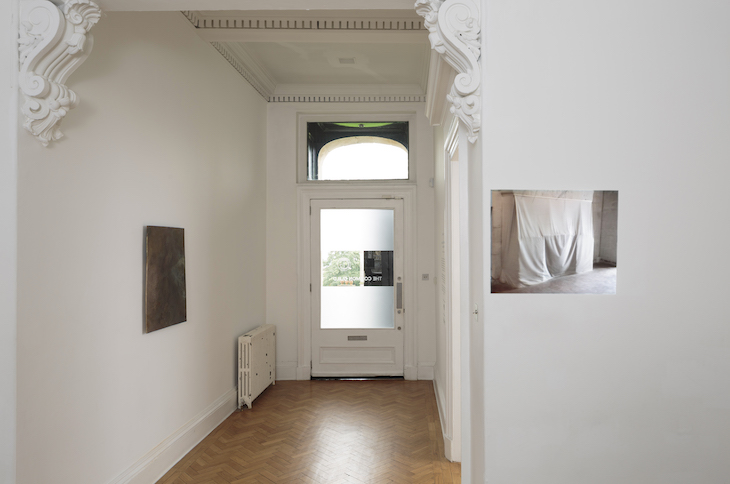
(441, 405)
(155, 463)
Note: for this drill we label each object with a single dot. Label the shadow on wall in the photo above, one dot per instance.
(552, 241)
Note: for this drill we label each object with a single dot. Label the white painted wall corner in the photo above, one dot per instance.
(410, 373)
(288, 371)
(426, 370)
(304, 373)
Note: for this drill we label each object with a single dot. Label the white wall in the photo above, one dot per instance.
(281, 229)
(630, 387)
(167, 133)
(8, 237)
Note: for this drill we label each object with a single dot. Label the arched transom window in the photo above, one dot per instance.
(357, 151)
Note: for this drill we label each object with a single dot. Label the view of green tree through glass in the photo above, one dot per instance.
(342, 268)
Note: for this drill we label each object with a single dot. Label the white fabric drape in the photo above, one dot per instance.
(546, 237)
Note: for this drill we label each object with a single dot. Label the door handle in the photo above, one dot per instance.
(399, 296)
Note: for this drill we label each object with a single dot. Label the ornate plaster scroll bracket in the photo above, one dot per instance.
(454, 32)
(53, 42)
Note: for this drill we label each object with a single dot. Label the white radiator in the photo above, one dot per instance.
(256, 363)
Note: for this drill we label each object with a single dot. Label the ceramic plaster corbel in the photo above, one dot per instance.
(454, 32)
(53, 42)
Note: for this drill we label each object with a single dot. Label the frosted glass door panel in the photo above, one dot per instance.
(357, 269)
(357, 307)
(356, 229)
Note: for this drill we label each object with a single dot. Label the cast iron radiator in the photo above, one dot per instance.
(256, 363)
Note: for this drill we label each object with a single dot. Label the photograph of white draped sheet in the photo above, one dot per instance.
(554, 241)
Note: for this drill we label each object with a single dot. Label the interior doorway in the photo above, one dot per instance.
(357, 292)
(313, 198)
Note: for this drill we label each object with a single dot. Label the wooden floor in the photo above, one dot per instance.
(326, 432)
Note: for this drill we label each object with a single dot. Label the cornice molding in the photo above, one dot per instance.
(247, 67)
(454, 32)
(293, 98)
(349, 89)
(304, 20)
(53, 42)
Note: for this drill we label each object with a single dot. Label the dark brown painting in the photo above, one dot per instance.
(164, 277)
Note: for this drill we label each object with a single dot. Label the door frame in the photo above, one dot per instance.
(372, 351)
(452, 238)
(305, 194)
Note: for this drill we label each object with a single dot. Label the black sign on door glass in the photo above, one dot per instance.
(378, 267)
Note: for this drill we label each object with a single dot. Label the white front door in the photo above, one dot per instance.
(357, 287)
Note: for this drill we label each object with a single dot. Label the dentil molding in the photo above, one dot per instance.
(303, 20)
(454, 32)
(53, 42)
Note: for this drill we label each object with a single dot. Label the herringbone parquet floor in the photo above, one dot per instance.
(321, 432)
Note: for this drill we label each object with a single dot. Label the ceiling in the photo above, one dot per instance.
(323, 63)
(315, 53)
